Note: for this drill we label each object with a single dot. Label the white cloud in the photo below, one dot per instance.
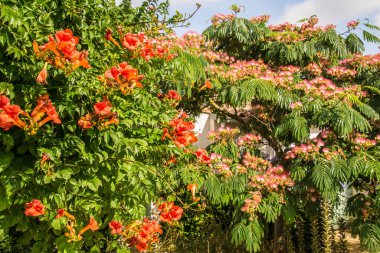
(330, 11)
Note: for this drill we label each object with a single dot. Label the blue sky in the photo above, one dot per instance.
(337, 12)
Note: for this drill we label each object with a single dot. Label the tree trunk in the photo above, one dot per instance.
(279, 235)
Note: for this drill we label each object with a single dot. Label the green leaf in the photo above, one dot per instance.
(22, 226)
(58, 224)
(37, 247)
(370, 37)
(373, 27)
(5, 160)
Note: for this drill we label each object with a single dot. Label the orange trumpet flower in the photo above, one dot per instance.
(192, 188)
(34, 208)
(113, 120)
(52, 115)
(38, 112)
(93, 225)
(207, 85)
(110, 38)
(85, 121)
(9, 117)
(41, 78)
(61, 212)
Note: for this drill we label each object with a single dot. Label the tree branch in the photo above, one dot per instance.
(162, 22)
(256, 124)
(225, 112)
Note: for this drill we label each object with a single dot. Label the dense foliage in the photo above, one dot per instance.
(82, 115)
(96, 139)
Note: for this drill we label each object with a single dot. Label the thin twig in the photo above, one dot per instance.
(198, 6)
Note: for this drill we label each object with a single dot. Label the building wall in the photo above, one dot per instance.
(205, 123)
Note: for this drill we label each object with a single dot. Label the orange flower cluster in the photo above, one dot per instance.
(34, 208)
(141, 45)
(124, 76)
(170, 212)
(116, 227)
(132, 41)
(70, 226)
(181, 131)
(44, 107)
(171, 96)
(141, 234)
(102, 116)
(202, 156)
(59, 52)
(9, 115)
